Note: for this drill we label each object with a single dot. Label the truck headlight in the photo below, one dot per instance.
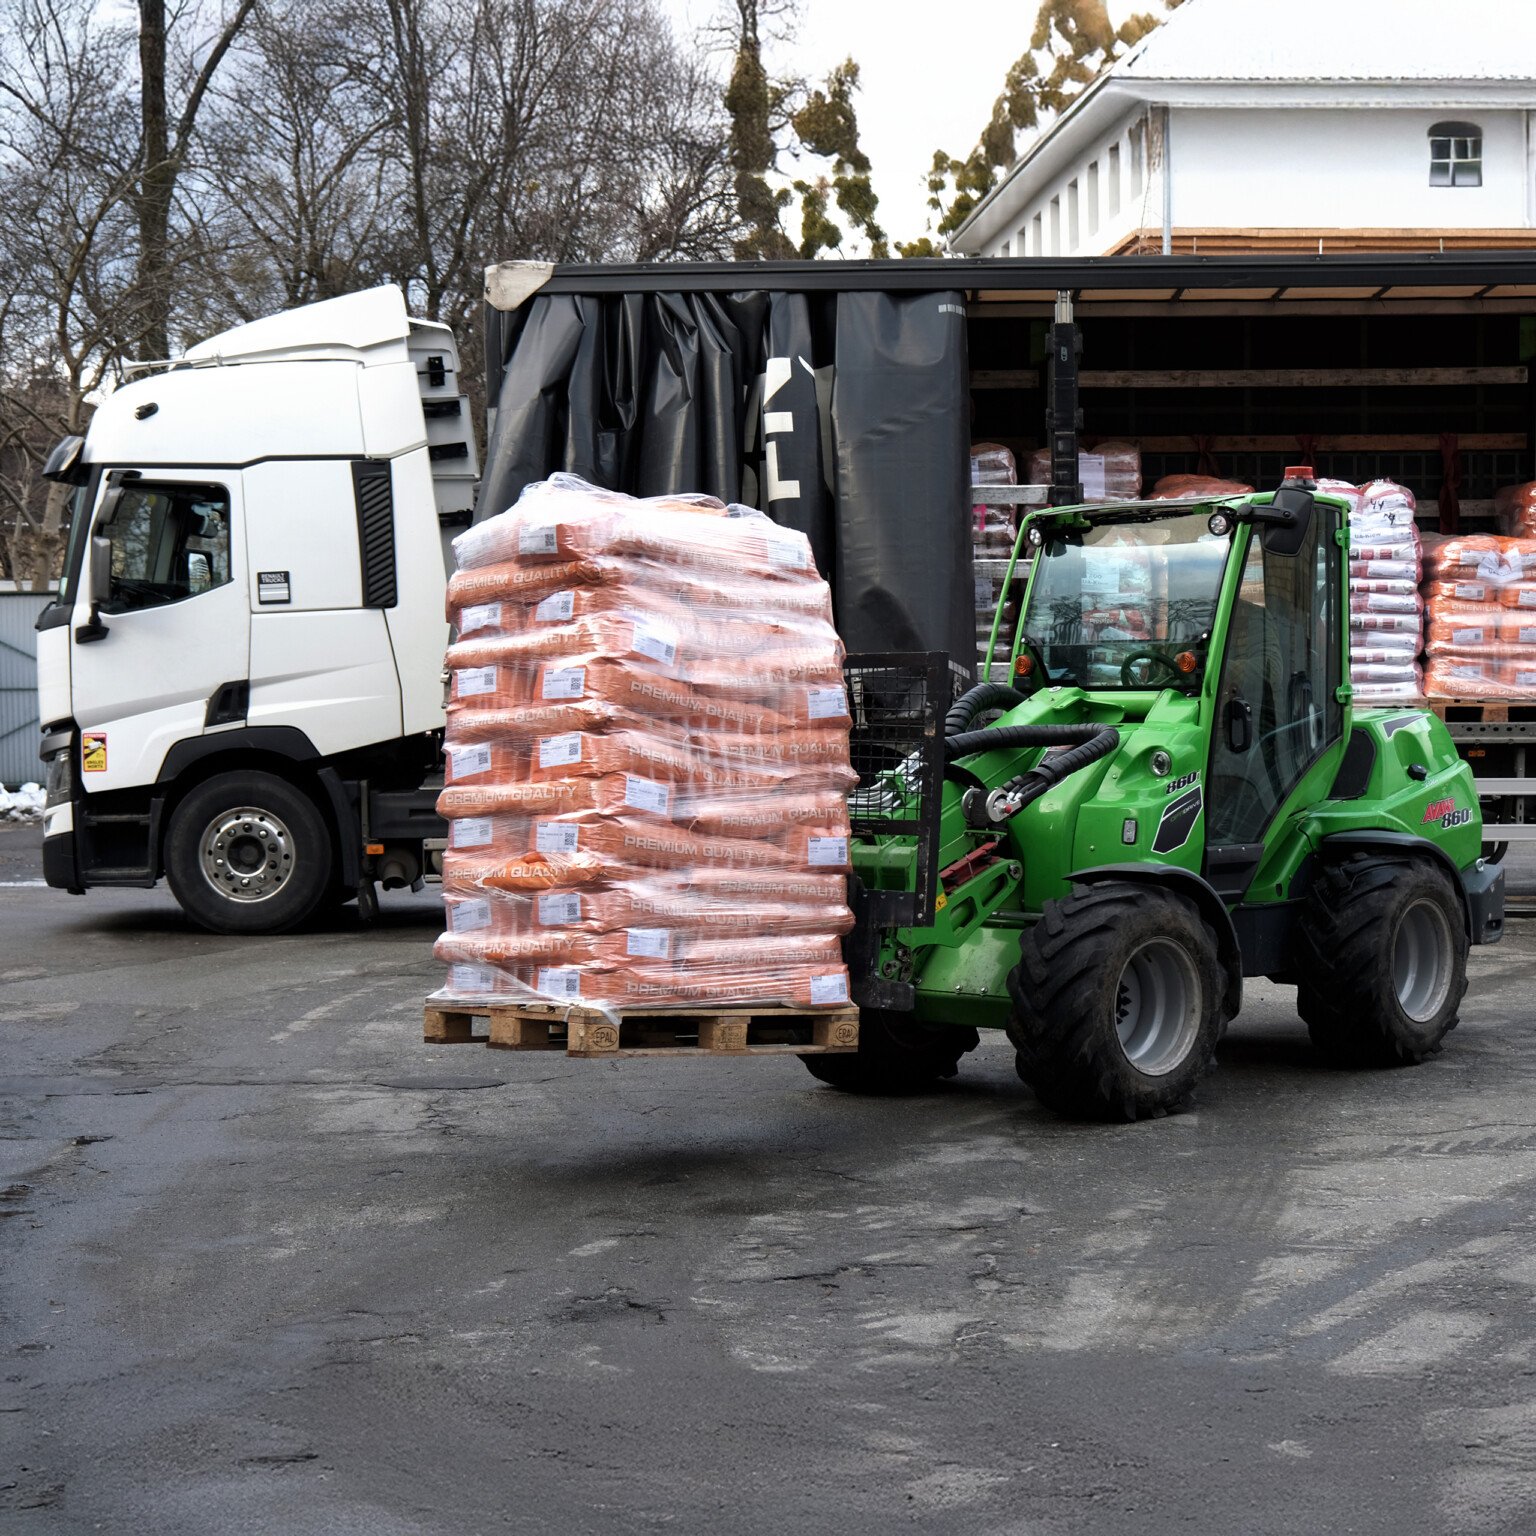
(59, 783)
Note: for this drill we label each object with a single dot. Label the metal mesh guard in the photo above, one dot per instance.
(898, 702)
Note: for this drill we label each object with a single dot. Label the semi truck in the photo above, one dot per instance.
(240, 681)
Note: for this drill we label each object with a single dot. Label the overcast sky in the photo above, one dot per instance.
(929, 78)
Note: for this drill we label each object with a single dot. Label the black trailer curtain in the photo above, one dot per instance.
(844, 415)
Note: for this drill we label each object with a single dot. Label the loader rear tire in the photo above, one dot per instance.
(896, 1055)
(1117, 1003)
(1383, 948)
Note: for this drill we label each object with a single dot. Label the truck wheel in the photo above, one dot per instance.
(247, 853)
(895, 1055)
(1117, 1003)
(1384, 952)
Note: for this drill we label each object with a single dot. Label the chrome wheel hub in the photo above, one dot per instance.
(246, 854)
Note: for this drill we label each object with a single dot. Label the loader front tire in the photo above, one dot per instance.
(1383, 950)
(1117, 1003)
(896, 1055)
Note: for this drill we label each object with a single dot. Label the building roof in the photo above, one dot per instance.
(1311, 40)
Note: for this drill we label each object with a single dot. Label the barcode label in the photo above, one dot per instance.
(1466, 637)
(651, 943)
(560, 981)
(537, 541)
(468, 761)
(647, 795)
(554, 837)
(1471, 591)
(468, 980)
(557, 606)
(827, 850)
(473, 681)
(564, 682)
(1528, 599)
(825, 703)
(471, 832)
(829, 989)
(481, 616)
(467, 916)
(790, 552)
(653, 642)
(557, 751)
(557, 908)
(1525, 679)
(1528, 637)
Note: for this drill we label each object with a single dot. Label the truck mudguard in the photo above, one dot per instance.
(841, 414)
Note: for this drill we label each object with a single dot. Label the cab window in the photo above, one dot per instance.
(168, 542)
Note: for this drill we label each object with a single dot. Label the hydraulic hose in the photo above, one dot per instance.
(1090, 743)
(974, 700)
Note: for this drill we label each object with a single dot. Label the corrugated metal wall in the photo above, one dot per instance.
(18, 687)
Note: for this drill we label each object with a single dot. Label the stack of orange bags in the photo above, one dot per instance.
(646, 758)
(1480, 602)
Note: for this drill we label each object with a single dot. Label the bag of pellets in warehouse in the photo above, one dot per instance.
(648, 760)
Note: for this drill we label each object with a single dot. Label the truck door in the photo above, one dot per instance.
(1277, 710)
(174, 629)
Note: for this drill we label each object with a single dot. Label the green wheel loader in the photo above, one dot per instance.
(1173, 791)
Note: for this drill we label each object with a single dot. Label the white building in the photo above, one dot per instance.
(1288, 126)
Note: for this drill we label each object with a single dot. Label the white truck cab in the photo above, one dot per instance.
(240, 682)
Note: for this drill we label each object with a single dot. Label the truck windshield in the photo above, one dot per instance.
(1126, 605)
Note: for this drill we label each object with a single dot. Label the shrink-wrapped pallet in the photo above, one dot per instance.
(646, 762)
(1191, 487)
(1480, 612)
(1107, 472)
(1514, 506)
(1385, 606)
(993, 529)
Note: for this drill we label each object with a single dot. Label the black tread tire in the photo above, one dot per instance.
(1065, 993)
(307, 886)
(1345, 949)
(895, 1055)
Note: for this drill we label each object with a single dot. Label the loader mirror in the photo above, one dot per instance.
(1286, 521)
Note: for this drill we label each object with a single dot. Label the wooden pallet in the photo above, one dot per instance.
(673, 1032)
(1481, 711)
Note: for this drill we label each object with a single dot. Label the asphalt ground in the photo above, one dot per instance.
(270, 1264)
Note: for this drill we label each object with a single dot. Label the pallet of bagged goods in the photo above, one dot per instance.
(1480, 599)
(1386, 609)
(646, 775)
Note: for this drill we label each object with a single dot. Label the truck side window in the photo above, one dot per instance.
(168, 542)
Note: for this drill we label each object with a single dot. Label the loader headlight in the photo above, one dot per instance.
(1220, 524)
(1036, 538)
(1161, 764)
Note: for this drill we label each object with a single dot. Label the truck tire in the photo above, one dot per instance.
(895, 1055)
(1117, 1003)
(248, 853)
(1383, 948)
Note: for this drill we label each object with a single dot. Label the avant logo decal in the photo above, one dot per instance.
(1445, 812)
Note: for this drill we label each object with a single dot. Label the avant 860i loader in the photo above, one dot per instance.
(1173, 792)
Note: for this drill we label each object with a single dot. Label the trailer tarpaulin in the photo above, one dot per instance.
(844, 415)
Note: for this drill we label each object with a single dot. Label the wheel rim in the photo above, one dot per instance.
(1422, 960)
(1157, 1006)
(246, 854)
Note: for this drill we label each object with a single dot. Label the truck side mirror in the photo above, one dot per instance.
(98, 589)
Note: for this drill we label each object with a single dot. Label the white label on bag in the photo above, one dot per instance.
(647, 795)
(1528, 599)
(554, 837)
(470, 832)
(1466, 637)
(1471, 591)
(789, 552)
(557, 908)
(560, 981)
(473, 681)
(1525, 679)
(467, 916)
(826, 850)
(468, 761)
(467, 980)
(653, 642)
(829, 989)
(1470, 669)
(481, 616)
(649, 943)
(825, 703)
(1528, 637)
(558, 605)
(557, 751)
(564, 682)
(537, 541)
(1090, 470)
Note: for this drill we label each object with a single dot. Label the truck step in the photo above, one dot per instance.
(588, 1033)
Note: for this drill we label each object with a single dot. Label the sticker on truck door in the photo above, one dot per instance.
(272, 587)
(93, 752)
